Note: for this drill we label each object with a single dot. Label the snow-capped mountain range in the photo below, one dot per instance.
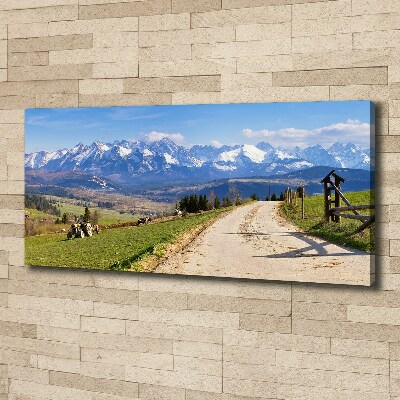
(122, 160)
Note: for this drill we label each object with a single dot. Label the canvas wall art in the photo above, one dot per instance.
(280, 191)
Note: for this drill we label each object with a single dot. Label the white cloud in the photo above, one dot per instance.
(350, 131)
(155, 136)
(216, 143)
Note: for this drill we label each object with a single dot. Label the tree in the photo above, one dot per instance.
(217, 202)
(86, 215)
(212, 199)
(94, 219)
(267, 198)
(234, 194)
(254, 197)
(274, 197)
(64, 219)
(281, 196)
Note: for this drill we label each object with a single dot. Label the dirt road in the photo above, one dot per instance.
(253, 241)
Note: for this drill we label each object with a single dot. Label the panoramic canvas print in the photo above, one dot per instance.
(279, 191)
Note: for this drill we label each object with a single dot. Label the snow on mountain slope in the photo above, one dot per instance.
(126, 159)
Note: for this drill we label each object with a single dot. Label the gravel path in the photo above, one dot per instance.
(254, 242)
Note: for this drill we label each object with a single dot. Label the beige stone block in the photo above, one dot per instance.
(249, 355)
(174, 332)
(115, 39)
(11, 217)
(25, 4)
(155, 392)
(209, 351)
(189, 36)
(293, 392)
(4, 275)
(350, 76)
(103, 371)
(183, 6)
(11, 130)
(236, 337)
(333, 26)
(23, 389)
(189, 317)
(332, 362)
(115, 357)
(26, 59)
(125, 9)
(102, 325)
(198, 365)
(164, 22)
(265, 323)
(360, 348)
(336, 312)
(63, 335)
(57, 100)
(28, 30)
(112, 387)
(173, 84)
(15, 173)
(43, 73)
(28, 374)
(124, 100)
(187, 68)
(322, 44)
(254, 15)
(165, 53)
(323, 9)
(97, 27)
(37, 15)
(361, 7)
(242, 49)
(250, 388)
(346, 330)
(163, 300)
(277, 94)
(66, 306)
(343, 59)
(119, 311)
(115, 70)
(246, 33)
(89, 56)
(237, 82)
(15, 357)
(100, 86)
(394, 126)
(378, 39)
(126, 343)
(89, 2)
(12, 116)
(16, 329)
(264, 64)
(47, 43)
(239, 305)
(40, 318)
(13, 102)
(186, 379)
(359, 92)
(33, 88)
(334, 379)
(196, 98)
(100, 294)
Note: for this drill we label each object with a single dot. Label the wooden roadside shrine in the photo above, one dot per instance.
(331, 183)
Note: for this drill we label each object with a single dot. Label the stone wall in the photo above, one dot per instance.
(82, 335)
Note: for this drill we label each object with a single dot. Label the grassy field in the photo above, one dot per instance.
(119, 248)
(339, 233)
(107, 217)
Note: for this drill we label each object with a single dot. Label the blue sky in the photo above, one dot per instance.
(281, 124)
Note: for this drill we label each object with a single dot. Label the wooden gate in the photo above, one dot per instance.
(332, 183)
